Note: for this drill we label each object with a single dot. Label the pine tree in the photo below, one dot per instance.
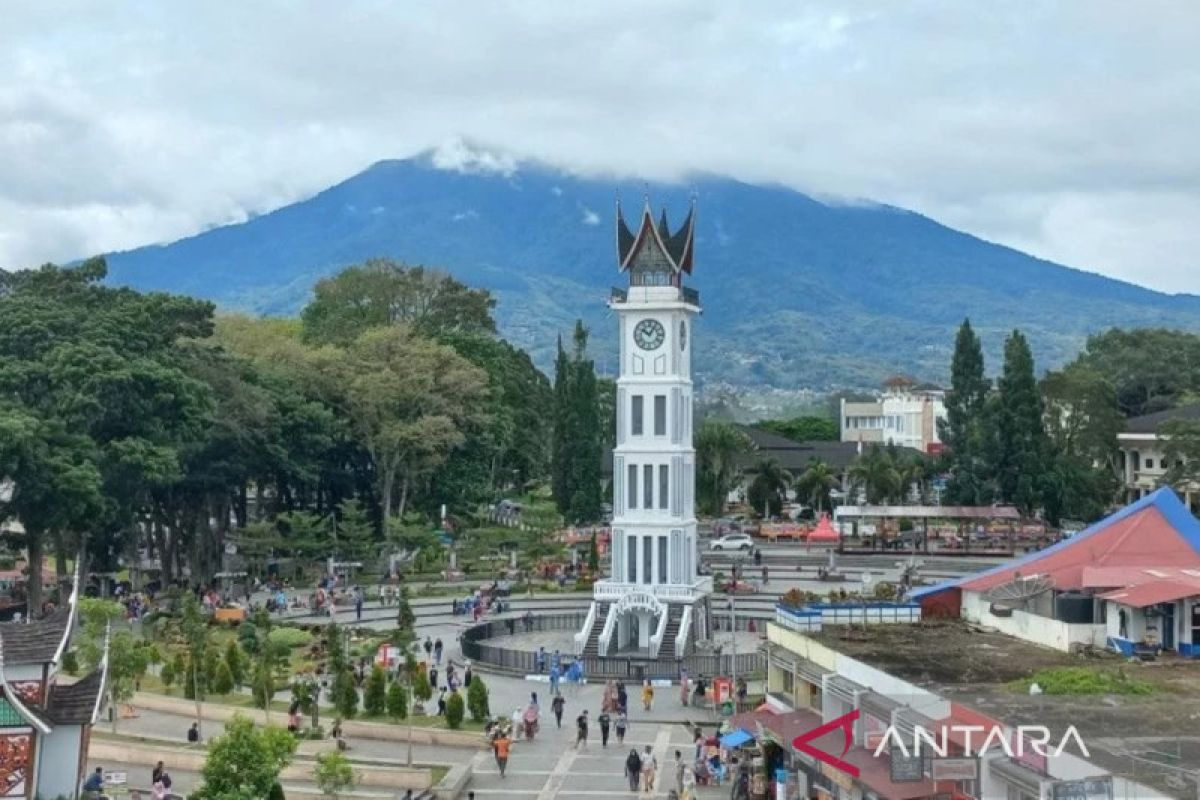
(454, 711)
(560, 453)
(477, 699)
(578, 436)
(345, 694)
(355, 531)
(963, 429)
(397, 701)
(236, 662)
(375, 695)
(1021, 445)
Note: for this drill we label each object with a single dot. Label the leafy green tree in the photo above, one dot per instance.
(355, 530)
(107, 635)
(397, 700)
(421, 688)
(244, 762)
(167, 676)
(815, 484)
(875, 473)
(803, 429)
(1181, 452)
(1150, 369)
(455, 709)
(1021, 447)
(236, 662)
(333, 773)
(383, 292)
(194, 627)
(345, 694)
(1081, 414)
(222, 682)
(719, 448)
(768, 486)
(477, 699)
(375, 694)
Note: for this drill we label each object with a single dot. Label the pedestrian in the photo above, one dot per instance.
(581, 729)
(541, 660)
(683, 687)
(94, 786)
(764, 574)
(428, 648)
(467, 677)
(433, 676)
(604, 720)
(649, 770)
(633, 769)
(622, 724)
(533, 700)
(698, 742)
(442, 703)
(622, 697)
(554, 678)
(647, 695)
(511, 624)
(518, 720)
(680, 766)
(358, 604)
(437, 651)
(556, 705)
(501, 746)
(193, 734)
(156, 773)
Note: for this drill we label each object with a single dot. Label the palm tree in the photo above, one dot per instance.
(915, 474)
(876, 474)
(770, 484)
(718, 448)
(815, 484)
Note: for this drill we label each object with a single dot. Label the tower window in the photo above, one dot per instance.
(662, 559)
(631, 559)
(664, 485)
(660, 415)
(647, 556)
(636, 415)
(633, 486)
(648, 486)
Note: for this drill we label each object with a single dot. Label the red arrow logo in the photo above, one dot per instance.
(846, 724)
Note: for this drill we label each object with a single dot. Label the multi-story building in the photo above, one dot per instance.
(906, 414)
(1141, 457)
(652, 601)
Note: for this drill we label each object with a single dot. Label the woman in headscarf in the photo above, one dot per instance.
(633, 770)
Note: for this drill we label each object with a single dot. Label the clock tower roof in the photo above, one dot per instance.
(656, 242)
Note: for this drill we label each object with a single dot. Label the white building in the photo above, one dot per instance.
(906, 414)
(650, 604)
(1141, 457)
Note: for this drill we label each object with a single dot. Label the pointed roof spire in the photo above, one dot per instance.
(14, 699)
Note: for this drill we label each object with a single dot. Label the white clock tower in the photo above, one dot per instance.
(652, 605)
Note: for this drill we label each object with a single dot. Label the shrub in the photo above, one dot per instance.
(477, 699)
(276, 793)
(375, 694)
(333, 773)
(167, 675)
(263, 685)
(289, 637)
(236, 662)
(248, 638)
(212, 659)
(223, 681)
(345, 694)
(397, 701)
(454, 711)
(1085, 681)
(70, 662)
(421, 688)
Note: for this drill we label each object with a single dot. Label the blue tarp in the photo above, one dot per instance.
(735, 739)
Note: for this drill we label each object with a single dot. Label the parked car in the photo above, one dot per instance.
(732, 541)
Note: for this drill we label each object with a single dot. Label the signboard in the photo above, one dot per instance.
(1097, 788)
(1029, 757)
(722, 689)
(954, 769)
(873, 731)
(907, 768)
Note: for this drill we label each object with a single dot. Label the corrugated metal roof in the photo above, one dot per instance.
(928, 512)
(1153, 593)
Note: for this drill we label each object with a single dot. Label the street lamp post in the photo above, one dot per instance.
(733, 647)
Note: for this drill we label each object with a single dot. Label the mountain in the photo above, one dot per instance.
(797, 293)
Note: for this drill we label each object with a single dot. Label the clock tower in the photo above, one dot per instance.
(652, 606)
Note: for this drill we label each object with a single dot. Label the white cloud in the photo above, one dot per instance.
(590, 217)
(1065, 129)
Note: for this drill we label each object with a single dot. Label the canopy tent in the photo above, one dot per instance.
(824, 531)
(736, 738)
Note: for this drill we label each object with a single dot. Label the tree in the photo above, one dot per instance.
(1150, 369)
(816, 483)
(383, 292)
(409, 401)
(375, 695)
(1021, 447)
(333, 773)
(577, 449)
(355, 531)
(963, 430)
(345, 694)
(1081, 414)
(128, 658)
(397, 701)
(244, 762)
(195, 633)
(1181, 452)
(803, 429)
(719, 447)
(454, 710)
(421, 688)
(875, 473)
(593, 556)
(477, 699)
(768, 486)
(222, 682)
(236, 662)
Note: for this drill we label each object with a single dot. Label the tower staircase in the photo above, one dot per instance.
(592, 648)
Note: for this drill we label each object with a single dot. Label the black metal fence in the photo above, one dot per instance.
(475, 647)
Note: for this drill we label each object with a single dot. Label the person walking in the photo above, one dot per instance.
(541, 660)
(622, 724)
(555, 676)
(633, 769)
(156, 773)
(358, 604)
(428, 648)
(649, 770)
(433, 676)
(647, 695)
(581, 729)
(437, 652)
(680, 767)
(501, 747)
(603, 720)
(557, 705)
(467, 676)
(622, 697)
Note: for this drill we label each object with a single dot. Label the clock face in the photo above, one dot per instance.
(682, 335)
(649, 334)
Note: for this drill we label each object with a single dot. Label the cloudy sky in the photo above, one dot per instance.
(1067, 129)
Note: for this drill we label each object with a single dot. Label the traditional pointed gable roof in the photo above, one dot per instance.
(676, 248)
(72, 616)
(1156, 530)
(14, 700)
(35, 642)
